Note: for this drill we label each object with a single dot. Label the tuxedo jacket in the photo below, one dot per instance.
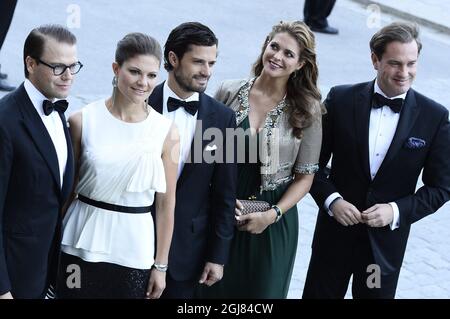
(205, 195)
(421, 142)
(30, 198)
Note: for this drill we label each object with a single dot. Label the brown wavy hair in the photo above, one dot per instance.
(302, 95)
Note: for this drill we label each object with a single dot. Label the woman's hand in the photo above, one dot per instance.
(156, 284)
(239, 208)
(256, 223)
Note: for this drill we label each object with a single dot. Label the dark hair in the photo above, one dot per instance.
(36, 40)
(302, 94)
(183, 36)
(137, 44)
(403, 32)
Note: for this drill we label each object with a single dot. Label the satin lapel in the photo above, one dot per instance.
(362, 105)
(39, 134)
(408, 117)
(205, 120)
(155, 100)
(69, 172)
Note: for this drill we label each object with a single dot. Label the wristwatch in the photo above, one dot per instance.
(278, 211)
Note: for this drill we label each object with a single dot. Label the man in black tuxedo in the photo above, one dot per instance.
(36, 163)
(315, 14)
(7, 8)
(381, 135)
(206, 187)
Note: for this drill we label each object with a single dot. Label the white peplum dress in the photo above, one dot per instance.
(120, 164)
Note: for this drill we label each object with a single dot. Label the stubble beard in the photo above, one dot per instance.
(185, 84)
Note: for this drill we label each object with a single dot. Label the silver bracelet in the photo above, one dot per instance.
(160, 267)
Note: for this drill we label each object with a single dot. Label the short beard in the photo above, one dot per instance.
(183, 83)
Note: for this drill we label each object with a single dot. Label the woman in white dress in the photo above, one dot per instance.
(125, 152)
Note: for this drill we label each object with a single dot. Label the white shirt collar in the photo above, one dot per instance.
(169, 93)
(379, 91)
(36, 97)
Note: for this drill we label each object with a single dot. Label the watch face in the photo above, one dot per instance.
(278, 211)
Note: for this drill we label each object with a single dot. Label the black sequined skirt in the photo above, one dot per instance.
(81, 279)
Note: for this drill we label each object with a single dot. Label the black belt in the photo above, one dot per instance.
(113, 207)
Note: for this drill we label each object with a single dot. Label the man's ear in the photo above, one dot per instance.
(173, 59)
(30, 64)
(375, 60)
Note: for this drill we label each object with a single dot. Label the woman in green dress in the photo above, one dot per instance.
(280, 112)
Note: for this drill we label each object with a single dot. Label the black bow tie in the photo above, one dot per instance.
(60, 106)
(190, 107)
(380, 101)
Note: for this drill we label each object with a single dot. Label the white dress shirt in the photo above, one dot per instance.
(382, 126)
(185, 122)
(53, 124)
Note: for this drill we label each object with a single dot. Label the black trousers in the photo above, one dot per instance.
(179, 289)
(315, 12)
(7, 8)
(330, 270)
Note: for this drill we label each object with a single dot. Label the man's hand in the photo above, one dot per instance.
(378, 215)
(212, 273)
(6, 296)
(345, 213)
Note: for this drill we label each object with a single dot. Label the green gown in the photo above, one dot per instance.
(260, 266)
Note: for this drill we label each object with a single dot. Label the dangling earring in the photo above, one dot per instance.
(114, 84)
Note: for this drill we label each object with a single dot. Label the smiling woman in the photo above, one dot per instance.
(134, 81)
(124, 153)
(282, 104)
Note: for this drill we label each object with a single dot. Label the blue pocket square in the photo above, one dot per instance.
(414, 142)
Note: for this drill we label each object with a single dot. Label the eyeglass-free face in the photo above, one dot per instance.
(59, 69)
(137, 77)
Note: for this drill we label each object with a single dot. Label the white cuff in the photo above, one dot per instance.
(396, 219)
(329, 200)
